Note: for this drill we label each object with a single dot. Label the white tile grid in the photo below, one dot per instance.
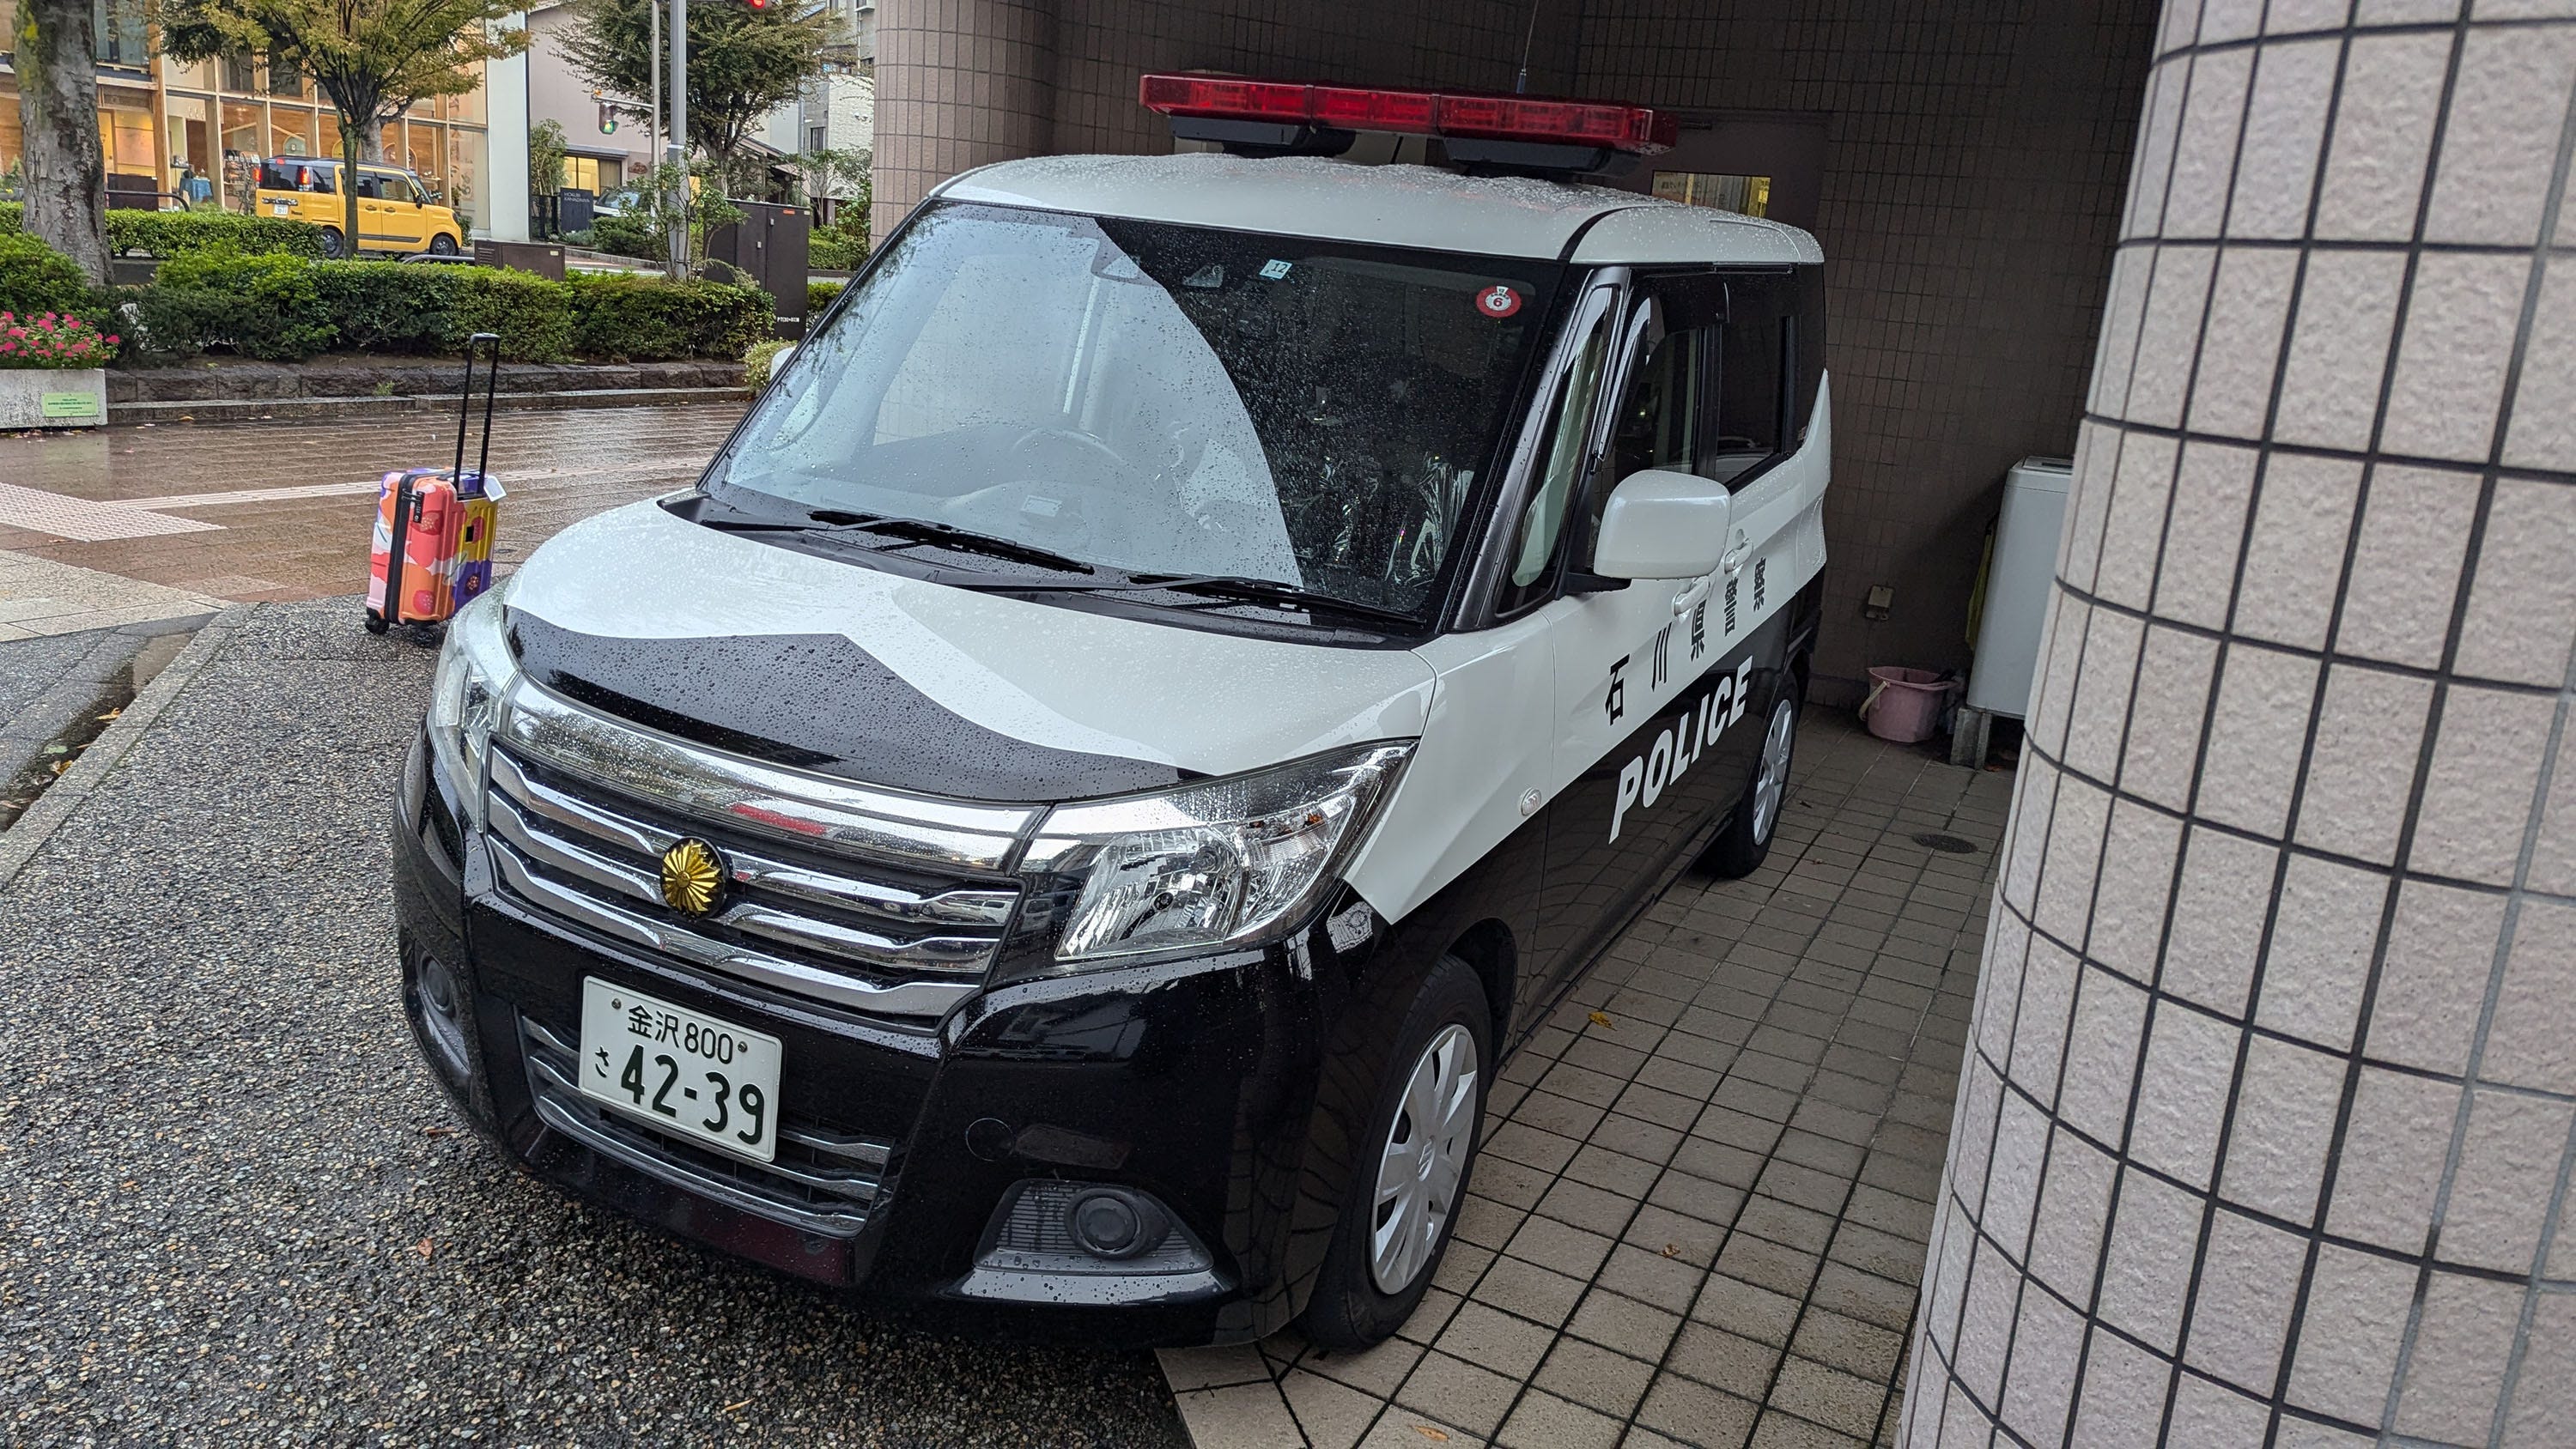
(1706, 1219)
(2411, 1309)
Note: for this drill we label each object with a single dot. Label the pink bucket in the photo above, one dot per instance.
(1904, 705)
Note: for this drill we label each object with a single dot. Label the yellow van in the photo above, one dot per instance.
(395, 213)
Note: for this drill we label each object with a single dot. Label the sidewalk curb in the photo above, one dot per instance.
(21, 842)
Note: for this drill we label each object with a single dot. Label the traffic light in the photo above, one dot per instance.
(607, 113)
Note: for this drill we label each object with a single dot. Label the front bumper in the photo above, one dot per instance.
(1197, 1082)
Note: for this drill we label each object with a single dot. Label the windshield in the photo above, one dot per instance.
(1159, 399)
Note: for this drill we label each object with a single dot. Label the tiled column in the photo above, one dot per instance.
(2267, 1116)
(959, 83)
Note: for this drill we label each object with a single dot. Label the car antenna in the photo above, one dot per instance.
(1520, 87)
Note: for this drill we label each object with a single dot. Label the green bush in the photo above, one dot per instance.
(390, 307)
(758, 361)
(632, 319)
(835, 251)
(34, 278)
(819, 295)
(534, 317)
(163, 325)
(276, 312)
(626, 236)
(167, 234)
(11, 216)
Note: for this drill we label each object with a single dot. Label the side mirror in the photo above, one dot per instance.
(1662, 524)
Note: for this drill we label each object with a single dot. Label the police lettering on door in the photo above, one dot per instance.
(1643, 780)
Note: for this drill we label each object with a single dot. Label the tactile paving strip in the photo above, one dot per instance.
(86, 521)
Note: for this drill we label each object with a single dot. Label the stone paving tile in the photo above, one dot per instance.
(1702, 1224)
(280, 509)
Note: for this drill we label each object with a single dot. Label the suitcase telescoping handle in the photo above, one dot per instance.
(465, 403)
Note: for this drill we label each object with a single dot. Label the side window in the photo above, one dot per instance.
(1560, 471)
(1749, 398)
(1663, 412)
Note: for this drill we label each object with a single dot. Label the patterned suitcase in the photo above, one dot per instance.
(444, 518)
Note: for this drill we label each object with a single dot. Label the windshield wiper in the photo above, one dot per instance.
(913, 530)
(1271, 591)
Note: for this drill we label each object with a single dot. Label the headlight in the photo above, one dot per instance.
(1211, 864)
(474, 672)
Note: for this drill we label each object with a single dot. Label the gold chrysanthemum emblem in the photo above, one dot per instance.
(692, 874)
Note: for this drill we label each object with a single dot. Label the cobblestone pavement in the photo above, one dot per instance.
(160, 522)
(1701, 1211)
(234, 1208)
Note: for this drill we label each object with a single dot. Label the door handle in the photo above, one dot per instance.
(1697, 591)
(1732, 562)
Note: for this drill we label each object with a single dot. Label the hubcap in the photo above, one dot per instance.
(1771, 777)
(1424, 1160)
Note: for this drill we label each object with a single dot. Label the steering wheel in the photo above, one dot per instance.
(1075, 436)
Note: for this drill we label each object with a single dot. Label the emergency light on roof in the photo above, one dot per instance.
(1454, 116)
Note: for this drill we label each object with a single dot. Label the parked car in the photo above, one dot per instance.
(1166, 690)
(395, 213)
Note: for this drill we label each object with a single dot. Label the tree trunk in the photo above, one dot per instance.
(349, 185)
(371, 140)
(66, 188)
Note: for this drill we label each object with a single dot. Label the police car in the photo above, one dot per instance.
(1177, 675)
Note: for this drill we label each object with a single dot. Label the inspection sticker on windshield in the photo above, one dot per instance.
(1498, 301)
(1274, 269)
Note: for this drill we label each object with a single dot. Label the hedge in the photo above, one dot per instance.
(34, 278)
(835, 251)
(628, 318)
(276, 310)
(399, 307)
(167, 234)
(819, 295)
(282, 308)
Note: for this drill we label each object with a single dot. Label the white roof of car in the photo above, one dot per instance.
(1405, 206)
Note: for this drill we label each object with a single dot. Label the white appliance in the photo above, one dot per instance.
(2017, 584)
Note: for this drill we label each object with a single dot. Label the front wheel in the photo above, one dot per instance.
(1403, 1202)
(1747, 839)
(442, 245)
(334, 244)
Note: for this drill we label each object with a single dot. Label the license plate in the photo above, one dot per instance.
(693, 1076)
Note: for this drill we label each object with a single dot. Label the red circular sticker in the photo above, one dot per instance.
(1498, 301)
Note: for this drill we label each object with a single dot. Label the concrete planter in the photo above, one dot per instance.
(47, 397)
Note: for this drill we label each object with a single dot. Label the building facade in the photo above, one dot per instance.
(162, 124)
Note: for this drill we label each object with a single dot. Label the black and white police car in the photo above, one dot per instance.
(1187, 664)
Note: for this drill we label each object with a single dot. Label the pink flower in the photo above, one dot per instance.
(113, 339)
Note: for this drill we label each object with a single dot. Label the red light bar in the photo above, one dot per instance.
(1635, 129)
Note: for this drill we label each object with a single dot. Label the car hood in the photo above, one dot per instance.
(849, 671)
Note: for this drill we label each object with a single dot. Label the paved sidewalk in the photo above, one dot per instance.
(1701, 1212)
(183, 519)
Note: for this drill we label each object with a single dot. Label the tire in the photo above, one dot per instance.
(442, 245)
(1746, 841)
(1447, 1037)
(334, 243)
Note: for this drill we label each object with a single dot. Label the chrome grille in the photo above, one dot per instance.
(821, 1181)
(862, 908)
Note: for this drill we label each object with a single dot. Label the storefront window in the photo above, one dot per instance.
(284, 80)
(465, 174)
(290, 132)
(241, 75)
(467, 107)
(1743, 195)
(123, 38)
(242, 153)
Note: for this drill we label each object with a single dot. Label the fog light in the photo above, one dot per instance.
(1045, 1226)
(442, 1015)
(1111, 1222)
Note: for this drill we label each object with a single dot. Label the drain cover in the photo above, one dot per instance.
(1946, 844)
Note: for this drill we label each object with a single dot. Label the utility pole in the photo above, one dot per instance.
(676, 151)
(653, 138)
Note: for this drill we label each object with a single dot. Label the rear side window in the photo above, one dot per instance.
(1751, 405)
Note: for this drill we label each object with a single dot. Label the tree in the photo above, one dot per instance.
(56, 57)
(546, 158)
(743, 63)
(371, 58)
